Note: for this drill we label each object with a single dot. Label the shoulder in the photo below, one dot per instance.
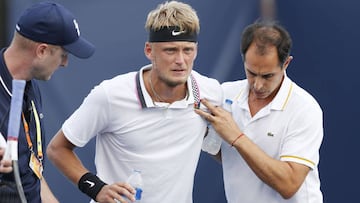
(210, 88)
(108, 88)
(302, 108)
(206, 84)
(234, 84)
(205, 80)
(304, 99)
(233, 88)
(119, 81)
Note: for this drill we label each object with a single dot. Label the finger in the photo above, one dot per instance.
(202, 113)
(124, 198)
(207, 116)
(124, 191)
(2, 152)
(210, 118)
(120, 200)
(118, 197)
(208, 105)
(126, 186)
(5, 169)
(6, 163)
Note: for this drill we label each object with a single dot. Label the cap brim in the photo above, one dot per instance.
(80, 48)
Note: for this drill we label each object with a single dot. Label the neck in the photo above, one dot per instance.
(17, 63)
(161, 92)
(157, 96)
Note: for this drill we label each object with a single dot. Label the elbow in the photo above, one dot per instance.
(50, 152)
(288, 192)
(287, 195)
(288, 181)
(58, 146)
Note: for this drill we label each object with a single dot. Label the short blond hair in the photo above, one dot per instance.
(22, 42)
(173, 13)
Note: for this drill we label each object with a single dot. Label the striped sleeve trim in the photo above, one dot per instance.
(297, 159)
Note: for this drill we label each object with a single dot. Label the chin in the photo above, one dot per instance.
(44, 78)
(262, 96)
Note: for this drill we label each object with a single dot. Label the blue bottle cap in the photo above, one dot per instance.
(228, 101)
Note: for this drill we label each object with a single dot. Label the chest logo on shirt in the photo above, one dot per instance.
(270, 134)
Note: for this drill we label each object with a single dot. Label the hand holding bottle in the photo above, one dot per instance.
(212, 142)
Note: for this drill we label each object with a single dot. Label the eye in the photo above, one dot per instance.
(268, 76)
(188, 50)
(251, 73)
(170, 50)
(64, 55)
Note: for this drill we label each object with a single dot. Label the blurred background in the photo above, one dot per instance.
(326, 46)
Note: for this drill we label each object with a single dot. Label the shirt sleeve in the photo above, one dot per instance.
(89, 119)
(304, 137)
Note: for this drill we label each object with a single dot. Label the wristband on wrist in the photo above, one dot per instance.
(90, 184)
(233, 142)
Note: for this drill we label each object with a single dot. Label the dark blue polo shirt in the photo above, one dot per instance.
(30, 182)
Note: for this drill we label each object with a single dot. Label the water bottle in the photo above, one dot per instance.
(227, 105)
(212, 142)
(135, 180)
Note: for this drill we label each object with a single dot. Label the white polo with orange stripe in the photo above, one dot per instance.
(290, 128)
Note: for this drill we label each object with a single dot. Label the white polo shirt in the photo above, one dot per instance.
(290, 128)
(164, 143)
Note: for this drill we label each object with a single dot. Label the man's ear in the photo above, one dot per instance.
(41, 49)
(287, 62)
(148, 50)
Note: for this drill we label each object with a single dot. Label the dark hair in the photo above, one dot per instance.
(265, 34)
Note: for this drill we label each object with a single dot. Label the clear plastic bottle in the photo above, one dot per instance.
(136, 181)
(227, 105)
(212, 142)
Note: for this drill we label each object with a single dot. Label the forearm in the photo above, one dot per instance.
(60, 153)
(281, 176)
(46, 195)
(284, 177)
(68, 163)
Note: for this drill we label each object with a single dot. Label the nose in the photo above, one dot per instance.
(64, 60)
(258, 83)
(180, 58)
